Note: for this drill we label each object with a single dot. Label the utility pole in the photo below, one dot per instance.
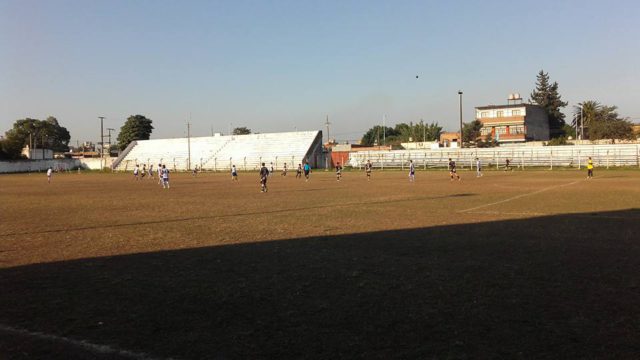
(327, 123)
(461, 141)
(189, 146)
(101, 135)
(424, 131)
(109, 130)
(384, 129)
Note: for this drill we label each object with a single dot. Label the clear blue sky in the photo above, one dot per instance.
(280, 65)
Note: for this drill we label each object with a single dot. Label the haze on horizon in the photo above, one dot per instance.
(285, 65)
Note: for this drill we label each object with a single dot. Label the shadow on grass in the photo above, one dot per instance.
(564, 286)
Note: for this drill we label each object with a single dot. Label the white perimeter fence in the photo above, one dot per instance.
(20, 166)
(519, 157)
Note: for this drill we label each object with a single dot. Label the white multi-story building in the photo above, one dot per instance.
(513, 123)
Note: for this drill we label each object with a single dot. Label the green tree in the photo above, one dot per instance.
(546, 95)
(241, 131)
(59, 136)
(471, 131)
(487, 142)
(137, 127)
(42, 134)
(601, 121)
(375, 135)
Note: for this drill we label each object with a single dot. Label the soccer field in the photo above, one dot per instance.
(520, 264)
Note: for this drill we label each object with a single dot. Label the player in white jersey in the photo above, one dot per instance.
(159, 174)
(165, 177)
(234, 173)
(478, 167)
(136, 171)
(49, 173)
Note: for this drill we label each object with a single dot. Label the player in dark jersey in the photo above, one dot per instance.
(367, 169)
(452, 170)
(338, 171)
(412, 171)
(299, 172)
(264, 174)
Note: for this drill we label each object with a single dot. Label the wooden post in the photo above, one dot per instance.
(551, 158)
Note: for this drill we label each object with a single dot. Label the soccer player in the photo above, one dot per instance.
(338, 171)
(412, 171)
(284, 170)
(264, 174)
(136, 171)
(478, 167)
(367, 169)
(49, 173)
(271, 170)
(589, 168)
(507, 166)
(307, 170)
(159, 174)
(452, 170)
(299, 172)
(144, 171)
(165, 177)
(151, 171)
(234, 173)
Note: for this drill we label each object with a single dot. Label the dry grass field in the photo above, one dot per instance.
(533, 264)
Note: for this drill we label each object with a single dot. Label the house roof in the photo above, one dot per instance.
(508, 106)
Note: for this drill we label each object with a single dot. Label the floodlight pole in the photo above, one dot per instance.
(101, 135)
(189, 146)
(109, 130)
(460, 95)
(327, 123)
(581, 122)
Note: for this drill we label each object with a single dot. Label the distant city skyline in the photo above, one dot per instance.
(286, 65)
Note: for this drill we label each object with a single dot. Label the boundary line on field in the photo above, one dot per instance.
(519, 196)
(85, 345)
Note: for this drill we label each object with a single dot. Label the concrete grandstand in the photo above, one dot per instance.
(219, 153)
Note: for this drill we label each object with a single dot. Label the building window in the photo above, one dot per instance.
(517, 129)
(484, 114)
(500, 113)
(485, 131)
(515, 113)
(501, 130)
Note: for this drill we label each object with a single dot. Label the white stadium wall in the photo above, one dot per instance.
(219, 153)
(23, 166)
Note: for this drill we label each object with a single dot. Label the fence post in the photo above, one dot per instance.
(578, 159)
(245, 163)
(551, 156)
(496, 159)
(402, 161)
(215, 164)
